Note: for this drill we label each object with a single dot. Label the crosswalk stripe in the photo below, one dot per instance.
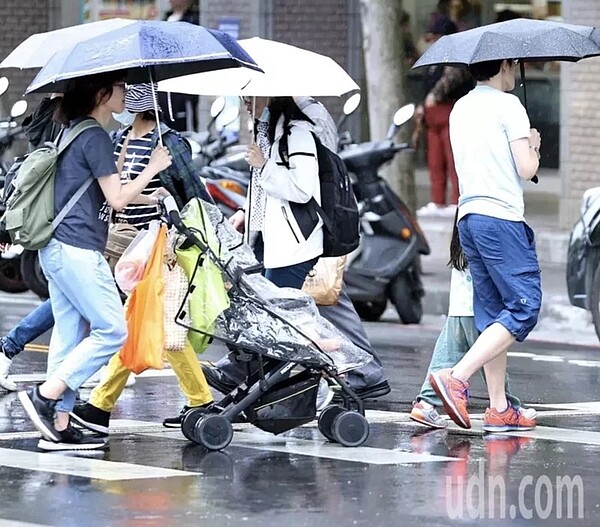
(15, 523)
(292, 445)
(84, 467)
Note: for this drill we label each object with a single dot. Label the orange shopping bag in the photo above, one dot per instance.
(145, 315)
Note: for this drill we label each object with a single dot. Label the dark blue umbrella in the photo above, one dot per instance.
(147, 50)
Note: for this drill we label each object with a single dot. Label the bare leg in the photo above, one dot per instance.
(494, 341)
(495, 376)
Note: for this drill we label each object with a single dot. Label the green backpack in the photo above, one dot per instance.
(29, 217)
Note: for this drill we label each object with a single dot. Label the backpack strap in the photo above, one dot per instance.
(74, 199)
(77, 130)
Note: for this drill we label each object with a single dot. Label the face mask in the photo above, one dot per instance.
(126, 118)
(264, 116)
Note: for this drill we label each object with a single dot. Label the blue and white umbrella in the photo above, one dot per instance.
(146, 50)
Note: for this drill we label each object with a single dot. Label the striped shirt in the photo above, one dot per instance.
(136, 160)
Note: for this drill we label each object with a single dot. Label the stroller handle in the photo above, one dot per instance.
(172, 210)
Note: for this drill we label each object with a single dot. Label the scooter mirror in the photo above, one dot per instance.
(351, 104)
(217, 107)
(229, 115)
(3, 85)
(404, 114)
(18, 109)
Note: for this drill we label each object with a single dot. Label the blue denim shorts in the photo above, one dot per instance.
(506, 273)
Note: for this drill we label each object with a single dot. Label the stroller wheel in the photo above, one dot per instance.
(189, 423)
(213, 432)
(326, 419)
(350, 428)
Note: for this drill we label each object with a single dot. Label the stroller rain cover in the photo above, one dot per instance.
(248, 310)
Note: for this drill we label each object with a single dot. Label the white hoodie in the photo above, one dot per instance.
(285, 243)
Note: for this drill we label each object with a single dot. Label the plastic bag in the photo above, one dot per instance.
(146, 315)
(131, 266)
(208, 296)
(176, 287)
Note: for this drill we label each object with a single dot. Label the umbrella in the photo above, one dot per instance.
(38, 49)
(147, 50)
(523, 39)
(288, 71)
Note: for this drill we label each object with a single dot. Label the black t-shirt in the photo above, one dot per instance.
(89, 155)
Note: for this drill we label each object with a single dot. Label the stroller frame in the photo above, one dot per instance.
(212, 427)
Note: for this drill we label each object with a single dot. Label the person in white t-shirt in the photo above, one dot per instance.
(494, 150)
(456, 338)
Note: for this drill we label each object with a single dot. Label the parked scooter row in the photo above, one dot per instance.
(11, 272)
(387, 263)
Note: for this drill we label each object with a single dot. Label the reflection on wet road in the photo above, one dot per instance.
(403, 475)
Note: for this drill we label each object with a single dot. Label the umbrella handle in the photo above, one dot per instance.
(155, 102)
(534, 179)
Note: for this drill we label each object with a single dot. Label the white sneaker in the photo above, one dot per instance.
(324, 395)
(431, 209)
(529, 413)
(5, 382)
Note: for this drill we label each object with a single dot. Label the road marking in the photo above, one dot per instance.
(587, 406)
(15, 523)
(84, 467)
(292, 445)
(41, 377)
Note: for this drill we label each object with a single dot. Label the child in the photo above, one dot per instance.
(457, 336)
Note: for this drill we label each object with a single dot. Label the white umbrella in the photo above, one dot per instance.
(38, 49)
(288, 71)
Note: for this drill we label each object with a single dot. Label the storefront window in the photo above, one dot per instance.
(542, 79)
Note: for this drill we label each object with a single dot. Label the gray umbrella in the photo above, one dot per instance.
(524, 39)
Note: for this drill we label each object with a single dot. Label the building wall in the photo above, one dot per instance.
(21, 18)
(580, 118)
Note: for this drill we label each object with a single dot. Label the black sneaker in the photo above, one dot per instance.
(217, 379)
(72, 438)
(175, 422)
(90, 417)
(41, 411)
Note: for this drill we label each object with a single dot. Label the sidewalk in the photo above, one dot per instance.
(559, 321)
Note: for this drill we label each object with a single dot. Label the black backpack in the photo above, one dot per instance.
(338, 209)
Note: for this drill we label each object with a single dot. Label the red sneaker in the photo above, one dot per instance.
(509, 420)
(454, 395)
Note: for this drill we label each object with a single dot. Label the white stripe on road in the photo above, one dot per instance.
(15, 523)
(292, 445)
(41, 377)
(83, 467)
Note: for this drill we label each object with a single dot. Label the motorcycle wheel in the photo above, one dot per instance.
(595, 301)
(11, 279)
(370, 311)
(32, 273)
(406, 299)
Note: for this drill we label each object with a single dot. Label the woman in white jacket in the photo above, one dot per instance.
(277, 205)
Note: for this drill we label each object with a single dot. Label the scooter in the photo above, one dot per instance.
(11, 278)
(386, 265)
(212, 153)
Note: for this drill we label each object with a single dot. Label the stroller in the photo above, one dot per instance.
(276, 333)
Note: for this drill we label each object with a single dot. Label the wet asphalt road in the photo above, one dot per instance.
(404, 475)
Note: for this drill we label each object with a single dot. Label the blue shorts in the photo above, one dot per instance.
(506, 273)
